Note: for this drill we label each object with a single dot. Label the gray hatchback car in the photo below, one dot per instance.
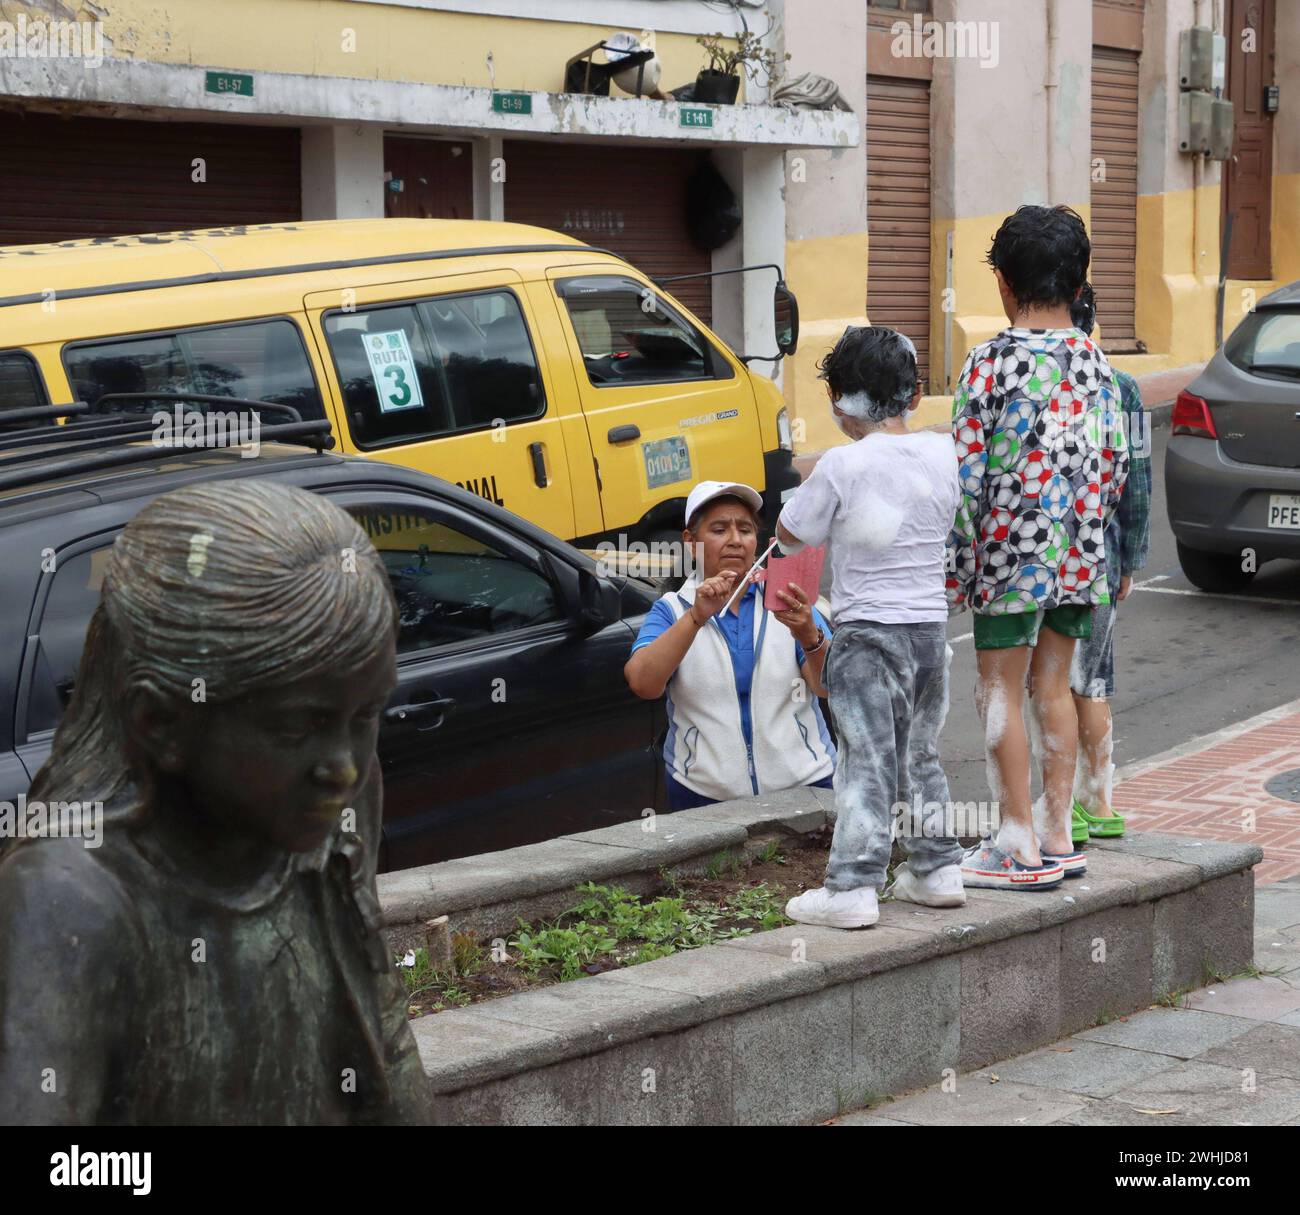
(1232, 473)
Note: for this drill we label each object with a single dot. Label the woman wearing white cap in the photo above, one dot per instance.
(742, 682)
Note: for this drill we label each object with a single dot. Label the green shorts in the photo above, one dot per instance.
(1021, 628)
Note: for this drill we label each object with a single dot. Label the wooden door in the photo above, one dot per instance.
(436, 178)
(1248, 176)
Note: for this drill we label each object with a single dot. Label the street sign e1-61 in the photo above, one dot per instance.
(695, 117)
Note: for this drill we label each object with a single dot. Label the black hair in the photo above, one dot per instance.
(1083, 311)
(874, 360)
(1043, 253)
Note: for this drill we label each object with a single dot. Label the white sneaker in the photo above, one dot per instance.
(835, 908)
(942, 888)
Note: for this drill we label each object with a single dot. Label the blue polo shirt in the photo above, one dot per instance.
(738, 629)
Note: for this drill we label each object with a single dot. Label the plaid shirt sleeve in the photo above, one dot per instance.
(1134, 514)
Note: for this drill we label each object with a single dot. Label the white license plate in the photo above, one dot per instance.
(1284, 511)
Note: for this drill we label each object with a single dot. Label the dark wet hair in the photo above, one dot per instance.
(1083, 311)
(875, 360)
(1043, 253)
(247, 584)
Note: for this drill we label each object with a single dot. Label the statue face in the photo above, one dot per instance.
(283, 764)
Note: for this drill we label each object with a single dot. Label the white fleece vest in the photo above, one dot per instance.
(705, 749)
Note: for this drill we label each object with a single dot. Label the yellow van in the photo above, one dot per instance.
(546, 375)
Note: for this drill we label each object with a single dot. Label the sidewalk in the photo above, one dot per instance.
(1222, 1055)
(1226, 1055)
(1239, 788)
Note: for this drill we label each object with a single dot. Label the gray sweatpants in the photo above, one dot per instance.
(888, 686)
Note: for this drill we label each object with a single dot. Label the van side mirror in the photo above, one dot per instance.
(785, 308)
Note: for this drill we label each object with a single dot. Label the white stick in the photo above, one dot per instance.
(744, 582)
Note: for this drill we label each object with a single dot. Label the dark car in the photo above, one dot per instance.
(1232, 472)
(511, 721)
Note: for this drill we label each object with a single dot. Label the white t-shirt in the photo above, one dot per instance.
(886, 503)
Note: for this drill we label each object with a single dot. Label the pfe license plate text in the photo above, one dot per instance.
(1284, 510)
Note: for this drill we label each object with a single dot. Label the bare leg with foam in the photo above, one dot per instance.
(1058, 729)
(999, 697)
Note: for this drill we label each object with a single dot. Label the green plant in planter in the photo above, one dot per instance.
(719, 80)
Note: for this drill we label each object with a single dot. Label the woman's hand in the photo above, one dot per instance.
(798, 617)
(713, 595)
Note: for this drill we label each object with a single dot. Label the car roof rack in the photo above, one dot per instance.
(93, 439)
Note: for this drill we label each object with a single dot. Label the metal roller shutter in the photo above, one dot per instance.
(898, 210)
(627, 199)
(1114, 201)
(69, 178)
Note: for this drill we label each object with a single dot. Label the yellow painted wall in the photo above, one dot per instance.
(1175, 299)
(828, 274)
(391, 43)
(977, 308)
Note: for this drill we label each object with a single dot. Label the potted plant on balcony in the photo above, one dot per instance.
(719, 81)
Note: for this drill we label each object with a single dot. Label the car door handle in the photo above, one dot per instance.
(537, 451)
(621, 434)
(420, 710)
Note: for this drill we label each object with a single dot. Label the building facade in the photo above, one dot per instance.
(197, 114)
(973, 107)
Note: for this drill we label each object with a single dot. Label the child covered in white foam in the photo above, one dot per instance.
(885, 502)
(1043, 462)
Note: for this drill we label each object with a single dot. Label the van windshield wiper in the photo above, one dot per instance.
(1290, 370)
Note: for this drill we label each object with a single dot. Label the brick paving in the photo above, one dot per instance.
(1218, 793)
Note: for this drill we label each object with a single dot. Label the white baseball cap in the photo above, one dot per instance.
(706, 491)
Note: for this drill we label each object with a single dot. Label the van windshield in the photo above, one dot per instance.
(259, 361)
(630, 334)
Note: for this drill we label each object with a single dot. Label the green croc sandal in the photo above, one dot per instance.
(1078, 827)
(1109, 827)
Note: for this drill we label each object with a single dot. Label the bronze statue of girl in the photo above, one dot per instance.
(217, 959)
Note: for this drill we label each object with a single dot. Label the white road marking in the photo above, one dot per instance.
(1174, 590)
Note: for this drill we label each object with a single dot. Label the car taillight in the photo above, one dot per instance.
(1191, 416)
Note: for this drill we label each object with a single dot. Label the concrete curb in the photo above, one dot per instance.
(800, 1023)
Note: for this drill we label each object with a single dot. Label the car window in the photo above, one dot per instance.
(1268, 341)
(451, 586)
(262, 361)
(630, 334)
(20, 386)
(72, 599)
(435, 367)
